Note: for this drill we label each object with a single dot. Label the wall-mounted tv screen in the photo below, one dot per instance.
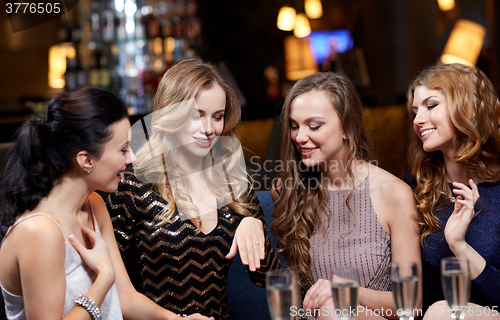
(323, 42)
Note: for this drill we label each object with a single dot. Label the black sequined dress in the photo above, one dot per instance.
(175, 265)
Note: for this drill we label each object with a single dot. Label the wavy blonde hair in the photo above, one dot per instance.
(173, 105)
(297, 209)
(474, 111)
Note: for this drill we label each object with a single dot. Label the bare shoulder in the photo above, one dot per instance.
(33, 245)
(98, 208)
(101, 214)
(36, 230)
(35, 236)
(96, 200)
(387, 186)
(392, 199)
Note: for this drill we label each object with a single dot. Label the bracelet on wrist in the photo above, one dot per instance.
(89, 305)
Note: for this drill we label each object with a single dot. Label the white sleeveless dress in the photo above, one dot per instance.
(79, 279)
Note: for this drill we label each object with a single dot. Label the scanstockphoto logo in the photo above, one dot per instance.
(26, 14)
(265, 173)
(173, 146)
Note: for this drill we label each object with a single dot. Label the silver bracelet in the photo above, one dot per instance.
(90, 306)
(185, 315)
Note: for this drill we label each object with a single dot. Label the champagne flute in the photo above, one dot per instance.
(404, 277)
(345, 285)
(282, 293)
(455, 279)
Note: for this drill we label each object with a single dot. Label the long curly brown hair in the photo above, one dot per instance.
(303, 194)
(475, 113)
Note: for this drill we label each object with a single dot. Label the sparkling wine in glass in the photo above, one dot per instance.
(345, 287)
(455, 279)
(404, 277)
(282, 293)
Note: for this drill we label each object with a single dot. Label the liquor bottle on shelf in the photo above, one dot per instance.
(166, 24)
(81, 76)
(62, 32)
(189, 12)
(116, 80)
(70, 76)
(149, 77)
(95, 24)
(191, 7)
(76, 34)
(105, 74)
(178, 27)
(94, 79)
(152, 23)
(193, 23)
(115, 69)
(121, 32)
(140, 32)
(108, 22)
(177, 7)
(134, 86)
(192, 27)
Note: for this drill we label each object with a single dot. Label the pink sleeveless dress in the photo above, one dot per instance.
(367, 248)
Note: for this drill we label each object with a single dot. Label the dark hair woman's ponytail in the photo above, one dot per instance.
(45, 147)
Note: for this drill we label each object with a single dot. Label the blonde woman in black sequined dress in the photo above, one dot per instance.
(188, 205)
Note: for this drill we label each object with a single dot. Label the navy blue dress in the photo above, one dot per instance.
(483, 235)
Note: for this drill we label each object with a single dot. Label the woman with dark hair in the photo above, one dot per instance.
(455, 159)
(334, 208)
(53, 262)
(188, 205)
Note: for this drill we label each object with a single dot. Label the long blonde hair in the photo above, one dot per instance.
(297, 208)
(173, 103)
(474, 110)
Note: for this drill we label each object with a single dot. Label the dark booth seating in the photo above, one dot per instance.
(246, 301)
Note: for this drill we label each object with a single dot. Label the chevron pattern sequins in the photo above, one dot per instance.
(180, 269)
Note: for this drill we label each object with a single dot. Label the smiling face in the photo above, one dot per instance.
(107, 171)
(316, 129)
(432, 123)
(204, 125)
